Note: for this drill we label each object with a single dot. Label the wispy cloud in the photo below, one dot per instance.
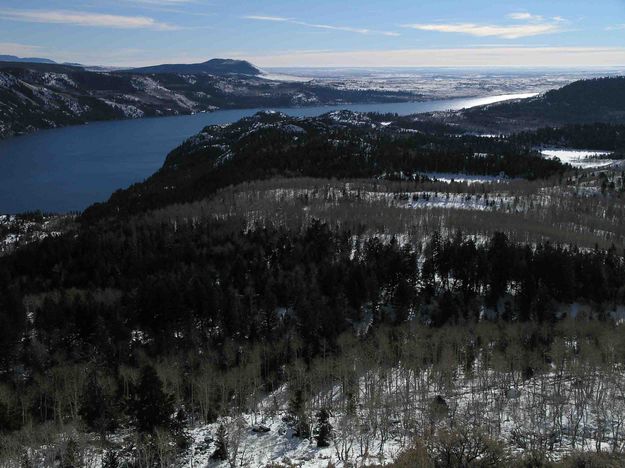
(162, 2)
(267, 18)
(81, 18)
(616, 27)
(346, 29)
(320, 26)
(531, 25)
(525, 16)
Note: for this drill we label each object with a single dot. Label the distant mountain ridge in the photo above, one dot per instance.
(215, 66)
(13, 58)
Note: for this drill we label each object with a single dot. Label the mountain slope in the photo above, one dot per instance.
(585, 101)
(36, 96)
(214, 67)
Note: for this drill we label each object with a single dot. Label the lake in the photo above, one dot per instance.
(68, 169)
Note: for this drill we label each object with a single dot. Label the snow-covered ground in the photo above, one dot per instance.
(440, 83)
(583, 159)
(546, 412)
(278, 445)
(284, 77)
(16, 231)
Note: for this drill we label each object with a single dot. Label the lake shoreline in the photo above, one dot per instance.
(67, 169)
(312, 105)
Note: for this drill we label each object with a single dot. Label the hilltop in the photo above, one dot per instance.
(215, 66)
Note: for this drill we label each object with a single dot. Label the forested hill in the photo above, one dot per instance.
(39, 95)
(213, 66)
(340, 144)
(585, 101)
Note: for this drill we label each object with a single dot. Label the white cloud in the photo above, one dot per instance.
(530, 25)
(266, 18)
(80, 18)
(321, 26)
(561, 57)
(524, 16)
(505, 32)
(616, 27)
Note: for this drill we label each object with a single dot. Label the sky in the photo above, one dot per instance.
(319, 33)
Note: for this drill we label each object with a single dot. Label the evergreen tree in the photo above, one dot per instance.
(302, 426)
(151, 406)
(297, 413)
(221, 444)
(323, 432)
(96, 407)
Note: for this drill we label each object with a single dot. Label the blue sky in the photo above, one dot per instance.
(283, 33)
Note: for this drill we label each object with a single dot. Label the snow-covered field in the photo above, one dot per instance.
(583, 159)
(441, 83)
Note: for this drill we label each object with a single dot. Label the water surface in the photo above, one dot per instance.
(67, 169)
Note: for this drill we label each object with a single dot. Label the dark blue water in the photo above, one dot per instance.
(70, 168)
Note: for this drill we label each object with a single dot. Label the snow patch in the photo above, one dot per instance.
(583, 159)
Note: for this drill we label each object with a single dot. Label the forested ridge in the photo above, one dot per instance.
(581, 102)
(337, 145)
(230, 281)
(99, 303)
(311, 282)
(596, 136)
